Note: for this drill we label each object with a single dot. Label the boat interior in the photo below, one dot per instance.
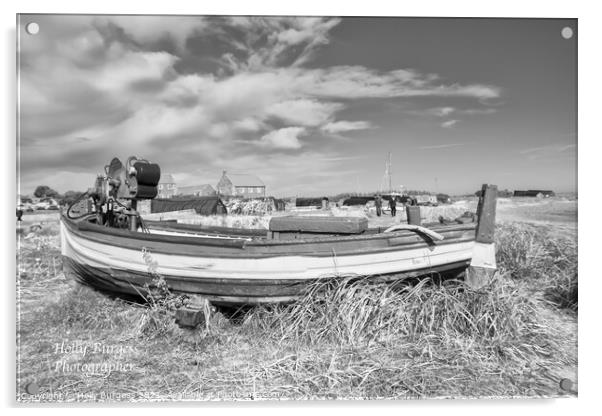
(295, 228)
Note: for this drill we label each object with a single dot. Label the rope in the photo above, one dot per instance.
(79, 198)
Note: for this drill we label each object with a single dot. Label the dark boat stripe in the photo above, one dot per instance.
(235, 291)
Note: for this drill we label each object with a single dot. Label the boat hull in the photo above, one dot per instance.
(244, 270)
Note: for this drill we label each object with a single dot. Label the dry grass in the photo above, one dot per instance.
(356, 338)
(427, 340)
(543, 259)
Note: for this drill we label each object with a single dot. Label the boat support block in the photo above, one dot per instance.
(196, 312)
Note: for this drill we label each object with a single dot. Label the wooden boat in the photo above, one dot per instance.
(235, 266)
(111, 248)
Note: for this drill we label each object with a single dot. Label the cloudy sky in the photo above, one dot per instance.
(311, 105)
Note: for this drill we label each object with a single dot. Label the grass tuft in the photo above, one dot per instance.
(545, 260)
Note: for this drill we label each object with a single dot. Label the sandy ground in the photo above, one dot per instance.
(558, 213)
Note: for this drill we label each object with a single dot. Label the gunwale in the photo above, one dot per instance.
(264, 248)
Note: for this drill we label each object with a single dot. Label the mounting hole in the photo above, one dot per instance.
(566, 384)
(32, 28)
(567, 32)
(32, 388)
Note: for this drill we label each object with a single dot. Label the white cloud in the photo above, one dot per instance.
(344, 126)
(551, 150)
(446, 111)
(442, 146)
(268, 41)
(130, 67)
(308, 29)
(361, 82)
(449, 123)
(473, 111)
(303, 111)
(286, 138)
(145, 29)
(441, 111)
(248, 124)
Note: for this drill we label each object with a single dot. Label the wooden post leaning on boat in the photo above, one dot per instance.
(482, 266)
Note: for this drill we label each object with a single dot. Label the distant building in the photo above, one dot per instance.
(535, 193)
(24, 199)
(197, 190)
(311, 202)
(167, 186)
(240, 185)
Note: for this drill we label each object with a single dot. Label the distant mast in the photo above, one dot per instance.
(387, 176)
(389, 170)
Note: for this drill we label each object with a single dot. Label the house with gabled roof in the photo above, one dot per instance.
(241, 185)
(167, 186)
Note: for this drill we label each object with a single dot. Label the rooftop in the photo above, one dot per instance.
(166, 178)
(195, 188)
(244, 179)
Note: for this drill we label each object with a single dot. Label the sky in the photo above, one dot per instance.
(312, 105)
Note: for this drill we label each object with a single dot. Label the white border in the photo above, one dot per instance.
(589, 35)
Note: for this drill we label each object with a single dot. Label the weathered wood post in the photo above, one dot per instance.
(413, 214)
(483, 265)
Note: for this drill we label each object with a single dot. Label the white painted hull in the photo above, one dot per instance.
(287, 267)
(186, 272)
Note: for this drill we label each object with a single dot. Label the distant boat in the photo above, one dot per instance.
(236, 266)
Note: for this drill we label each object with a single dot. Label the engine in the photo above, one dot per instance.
(115, 194)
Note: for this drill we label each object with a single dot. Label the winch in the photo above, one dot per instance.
(116, 193)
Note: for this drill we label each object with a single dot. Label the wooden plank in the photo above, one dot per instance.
(85, 229)
(336, 225)
(441, 229)
(210, 229)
